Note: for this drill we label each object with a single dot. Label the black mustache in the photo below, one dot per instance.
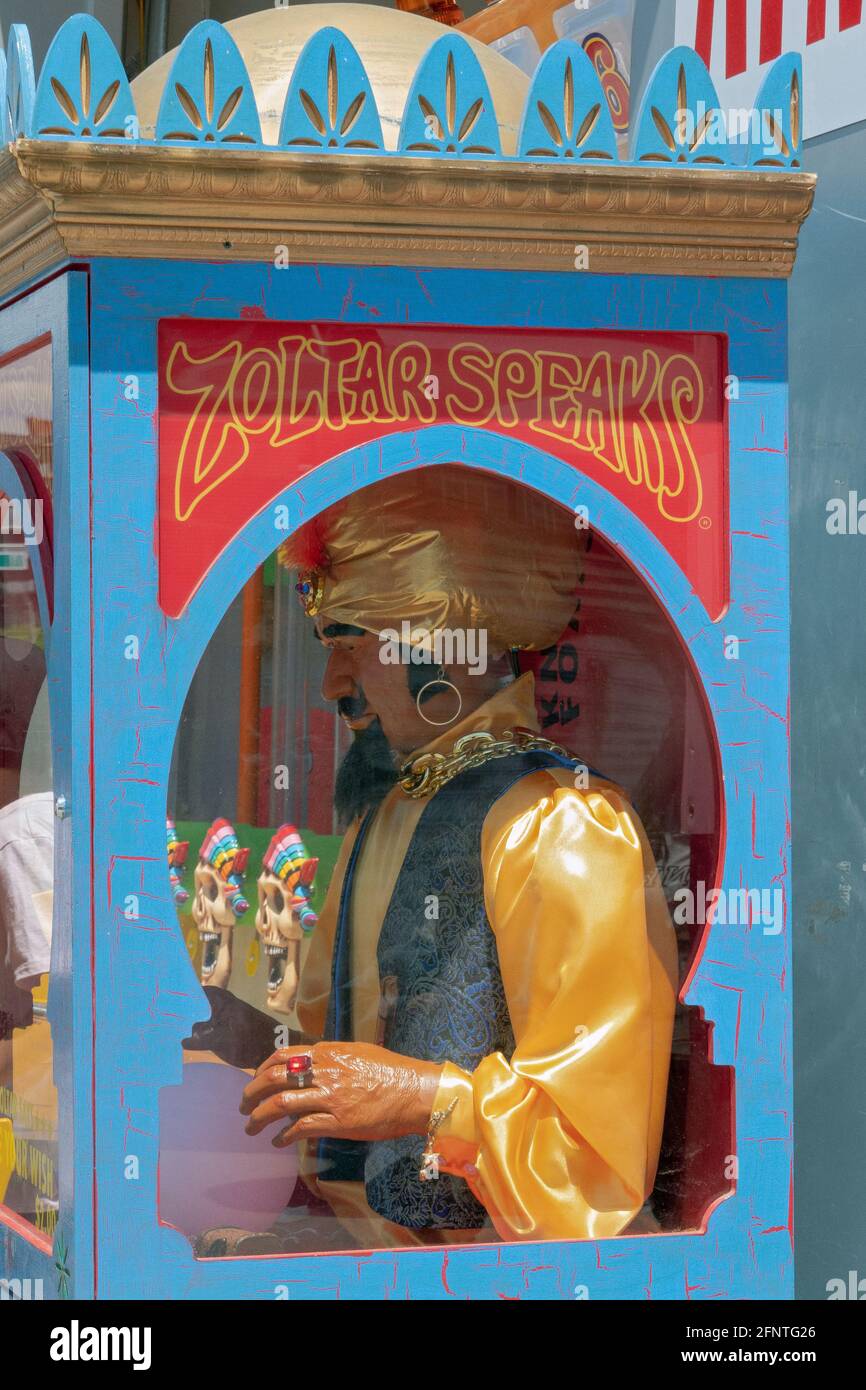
(352, 706)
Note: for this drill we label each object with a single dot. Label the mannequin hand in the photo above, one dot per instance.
(359, 1091)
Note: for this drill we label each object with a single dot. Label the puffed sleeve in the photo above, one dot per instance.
(562, 1139)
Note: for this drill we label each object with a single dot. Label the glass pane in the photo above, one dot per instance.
(28, 1099)
(25, 412)
(440, 777)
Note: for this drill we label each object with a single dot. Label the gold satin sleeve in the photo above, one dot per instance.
(562, 1141)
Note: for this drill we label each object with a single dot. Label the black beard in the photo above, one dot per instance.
(366, 774)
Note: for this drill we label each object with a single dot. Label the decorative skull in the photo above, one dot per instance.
(284, 914)
(177, 852)
(218, 901)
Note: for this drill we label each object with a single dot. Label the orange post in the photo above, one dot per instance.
(249, 711)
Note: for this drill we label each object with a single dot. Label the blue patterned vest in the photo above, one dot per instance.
(448, 1000)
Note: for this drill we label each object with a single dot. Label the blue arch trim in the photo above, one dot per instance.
(346, 473)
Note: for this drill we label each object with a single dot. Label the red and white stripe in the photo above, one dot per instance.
(752, 32)
(738, 39)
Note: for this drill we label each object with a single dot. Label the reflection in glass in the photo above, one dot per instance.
(326, 898)
(28, 1100)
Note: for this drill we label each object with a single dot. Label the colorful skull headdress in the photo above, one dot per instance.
(177, 852)
(220, 849)
(287, 860)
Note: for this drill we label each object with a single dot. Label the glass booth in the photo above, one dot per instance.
(394, 849)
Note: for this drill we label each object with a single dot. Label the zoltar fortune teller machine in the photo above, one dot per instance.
(394, 594)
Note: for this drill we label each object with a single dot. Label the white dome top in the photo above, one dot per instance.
(391, 45)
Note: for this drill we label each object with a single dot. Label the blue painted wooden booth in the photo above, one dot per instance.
(122, 991)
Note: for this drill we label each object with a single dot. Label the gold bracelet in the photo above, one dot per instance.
(438, 1118)
(429, 1170)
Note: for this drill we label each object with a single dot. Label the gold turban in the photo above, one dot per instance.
(445, 546)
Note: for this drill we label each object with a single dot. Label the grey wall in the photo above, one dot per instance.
(827, 301)
(828, 427)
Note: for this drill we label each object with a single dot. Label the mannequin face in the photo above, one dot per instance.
(367, 688)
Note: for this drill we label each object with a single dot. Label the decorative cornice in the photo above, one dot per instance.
(464, 163)
(61, 199)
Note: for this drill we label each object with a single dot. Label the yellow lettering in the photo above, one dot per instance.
(633, 415)
(471, 366)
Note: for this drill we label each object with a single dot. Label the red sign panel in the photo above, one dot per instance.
(247, 409)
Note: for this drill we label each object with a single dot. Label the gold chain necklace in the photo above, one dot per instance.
(428, 772)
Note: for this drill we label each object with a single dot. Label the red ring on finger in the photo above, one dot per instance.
(299, 1071)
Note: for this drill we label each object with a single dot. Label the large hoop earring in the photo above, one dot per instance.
(439, 723)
